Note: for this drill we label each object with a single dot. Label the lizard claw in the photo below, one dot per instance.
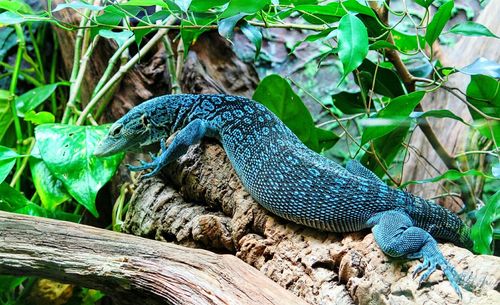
(432, 259)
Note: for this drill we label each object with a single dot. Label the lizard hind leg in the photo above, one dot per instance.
(189, 135)
(397, 237)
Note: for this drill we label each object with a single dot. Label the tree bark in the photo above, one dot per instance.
(131, 269)
(423, 161)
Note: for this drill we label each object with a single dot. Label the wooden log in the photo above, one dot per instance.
(132, 270)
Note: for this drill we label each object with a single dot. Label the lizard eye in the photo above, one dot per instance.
(116, 131)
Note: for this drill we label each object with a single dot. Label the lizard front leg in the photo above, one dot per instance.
(189, 135)
(397, 237)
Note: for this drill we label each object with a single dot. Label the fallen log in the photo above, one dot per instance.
(130, 269)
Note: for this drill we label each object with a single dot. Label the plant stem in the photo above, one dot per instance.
(39, 67)
(19, 171)
(118, 75)
(12, 90)
(170, 59)
(76, 66)
(52, 76)
(111, 64)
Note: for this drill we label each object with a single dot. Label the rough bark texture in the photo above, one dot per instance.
(451, 133)
(203, 204)
(130, 269)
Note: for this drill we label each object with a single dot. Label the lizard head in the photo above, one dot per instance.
(139, 127)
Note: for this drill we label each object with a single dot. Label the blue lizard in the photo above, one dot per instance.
(289, 179)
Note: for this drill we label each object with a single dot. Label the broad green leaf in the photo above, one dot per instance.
(277, 95)
(5, 112)
(387, 82)
(483, 93)
(33, 98)
(68, 153)
(470, 28)
(441, 113)
(118, 37)
(482, 230)
(76, 5)
(424, 3)
(50, 189)
(482, 66)
(438, 22)
(392, 116)
(321, 14)
(39, 118)
(244, 6)
(350, 103)
(451, 175)
(254, 35)
(7, 161)
(352, 43)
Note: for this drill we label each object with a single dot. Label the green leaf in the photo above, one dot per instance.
(244, 6)
(31, 99)
(482, 230)
(438, 22)
(392, 116)
(7, 161)
(387, 82)
(313, 37)
(382, 44)
(387, 148)
(350, 103)
(190, 35)
(9, 18)
(226, 26)
(39, 118)
(277, 95)
(482, 66)
(5, 112)
(50, 189)
(254, 35)
(470, 28)
(407, 42)
(424, 3)
(451, 175)
(352, 43)
(76, 5)
(11, 199)
(68, 153)
(441, 113)
(16, 6)
(118, 37)
(200, 6)
(183, 4)
(160, 3)
(483, 92)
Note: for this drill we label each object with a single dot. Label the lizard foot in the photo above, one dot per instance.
(432, 258)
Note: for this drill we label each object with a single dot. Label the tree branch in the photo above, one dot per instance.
(130, 269)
